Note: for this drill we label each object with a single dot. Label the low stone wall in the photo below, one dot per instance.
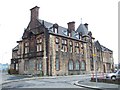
(117, 81)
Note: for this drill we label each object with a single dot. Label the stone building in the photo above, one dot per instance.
(51, 49)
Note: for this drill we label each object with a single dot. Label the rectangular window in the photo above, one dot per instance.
(57, 47)
(26, 50)
(71, 49)
(26, 65)
(39, 47)
(65, 48)
(64, 41)
(64, 45)
(71, 46)
(26, 47)
(16, 66)
(76, 47)
(39, 44)
(57, 64)
(57, 40)
(39, 65)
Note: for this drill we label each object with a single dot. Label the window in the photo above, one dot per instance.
(82, 46)
(55, 30)
(77, 48)
(57, 40)
(70, 65)
(65, 32)
(71, 47)
(39, 47)
(64, 41)
(39, 65)
(57, 44)
(26, 65)
(16, 66)
(39, 40)
(83, 65)
(64, 45)
(39, 44)
(77, 65)
(57, 64)
(70, 42)
(57, 47)
(26, 47)
(119, 72)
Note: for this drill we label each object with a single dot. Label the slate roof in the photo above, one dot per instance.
(61, 30)
(97, 45)
(15, 48)
(82, 29)
(105, 49)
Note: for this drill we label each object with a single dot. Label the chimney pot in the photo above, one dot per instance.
(86, 25)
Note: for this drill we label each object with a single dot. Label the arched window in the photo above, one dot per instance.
(70, 65)
(83, 65)
(77, 65)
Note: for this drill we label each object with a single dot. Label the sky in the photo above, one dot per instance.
(101, 15)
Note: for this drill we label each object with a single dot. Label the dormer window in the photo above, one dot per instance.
(69, 34)
(65, 32)
(77, 36)
(55, 30)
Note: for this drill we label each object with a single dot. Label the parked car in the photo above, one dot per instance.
(114, 75)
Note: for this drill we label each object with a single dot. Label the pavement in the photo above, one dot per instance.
(97, 86)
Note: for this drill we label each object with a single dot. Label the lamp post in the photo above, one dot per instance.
(95, 60)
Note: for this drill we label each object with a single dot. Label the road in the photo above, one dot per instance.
(55, 82)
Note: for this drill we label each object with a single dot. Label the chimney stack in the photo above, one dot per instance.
(34, 13)
(86, 25)
(71, 26)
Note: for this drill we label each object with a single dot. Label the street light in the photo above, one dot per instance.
(94, 55)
